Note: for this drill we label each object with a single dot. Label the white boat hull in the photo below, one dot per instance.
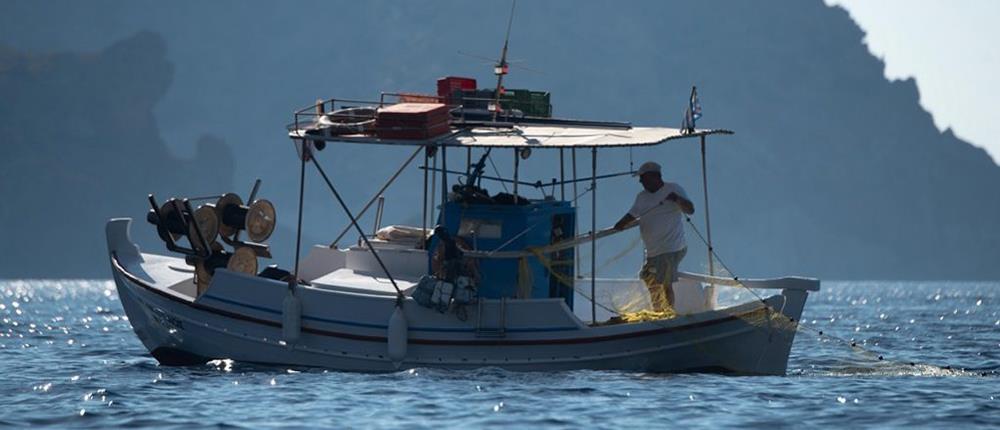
(240, 317)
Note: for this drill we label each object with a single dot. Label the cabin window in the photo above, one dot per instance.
(481, 228)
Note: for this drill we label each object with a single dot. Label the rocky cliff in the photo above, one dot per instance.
(834, 171)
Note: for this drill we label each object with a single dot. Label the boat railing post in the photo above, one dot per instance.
(354, 222)
(503, 317)
(378, 214)
(377, 194)
(479, 315)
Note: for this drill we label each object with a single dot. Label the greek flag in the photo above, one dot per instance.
(692, 113)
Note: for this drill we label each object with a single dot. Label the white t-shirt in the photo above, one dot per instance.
(660, 220)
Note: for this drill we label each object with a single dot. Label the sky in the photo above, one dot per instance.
(951, 49)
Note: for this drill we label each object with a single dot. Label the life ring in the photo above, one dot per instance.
(356, 120)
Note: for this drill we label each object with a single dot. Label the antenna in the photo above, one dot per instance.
(502, 67)
(511, 63)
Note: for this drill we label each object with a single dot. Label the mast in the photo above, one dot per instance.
(502, 67)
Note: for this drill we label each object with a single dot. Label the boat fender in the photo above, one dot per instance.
(291, 317)
(397, 337)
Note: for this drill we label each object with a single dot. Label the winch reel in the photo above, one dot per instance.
(225, 219)
(258, 219)
(175, 219)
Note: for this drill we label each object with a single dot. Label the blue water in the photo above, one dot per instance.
(70, 359)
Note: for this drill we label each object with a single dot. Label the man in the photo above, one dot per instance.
(658, 209)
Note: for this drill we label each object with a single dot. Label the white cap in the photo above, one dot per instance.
(647, 167)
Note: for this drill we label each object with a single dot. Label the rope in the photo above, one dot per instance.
(354, 221)
(725, 267)
(497, 172)
(564, 279)
(577, 197)
(614, 258)
(852, 344)
(558, 246)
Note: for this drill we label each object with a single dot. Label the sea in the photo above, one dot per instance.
(868, 355)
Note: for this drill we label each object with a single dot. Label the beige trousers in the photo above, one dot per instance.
(659, 273)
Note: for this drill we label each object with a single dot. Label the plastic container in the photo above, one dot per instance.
(412, 121)
(447, 87)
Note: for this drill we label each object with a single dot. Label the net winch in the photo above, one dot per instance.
(204, 226)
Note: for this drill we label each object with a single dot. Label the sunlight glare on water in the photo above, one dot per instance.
(70, 359)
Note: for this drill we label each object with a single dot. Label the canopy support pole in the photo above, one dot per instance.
(379, 193)
(433, 185)
(517, 169)
(444, 182)
(562, 175)
(306, 153)
(354, 222)
(423, 214)
(710, 297)
(593, 231)
(576, 220)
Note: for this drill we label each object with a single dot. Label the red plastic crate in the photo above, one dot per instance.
(449, 84)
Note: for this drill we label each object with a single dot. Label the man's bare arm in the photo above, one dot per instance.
(626, 221)
(685, 204)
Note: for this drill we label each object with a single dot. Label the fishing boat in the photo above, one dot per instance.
(389, 301)
(487, 280)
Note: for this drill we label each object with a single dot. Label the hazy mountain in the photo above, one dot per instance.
(834, 171)
(81, 145)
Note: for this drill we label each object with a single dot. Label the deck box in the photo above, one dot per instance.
(412, 121)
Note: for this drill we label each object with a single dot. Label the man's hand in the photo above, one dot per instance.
(685, 204)
(624, 222)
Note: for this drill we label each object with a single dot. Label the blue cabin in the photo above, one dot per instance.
(509, 226)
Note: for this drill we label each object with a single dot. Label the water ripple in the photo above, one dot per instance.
(70, 359)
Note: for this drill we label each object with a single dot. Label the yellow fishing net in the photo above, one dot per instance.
(647, 315)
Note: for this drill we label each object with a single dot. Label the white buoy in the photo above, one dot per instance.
(710, 297)
(397, 337)
(291, 317)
